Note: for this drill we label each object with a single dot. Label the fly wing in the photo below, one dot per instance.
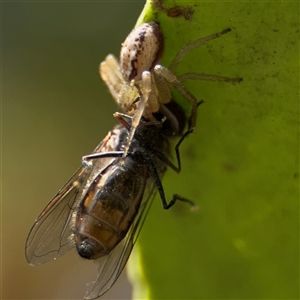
(51, 235)
(111, 265)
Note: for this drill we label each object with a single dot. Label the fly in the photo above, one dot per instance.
(101, 209)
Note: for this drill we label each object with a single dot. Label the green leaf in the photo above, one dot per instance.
(241, 166)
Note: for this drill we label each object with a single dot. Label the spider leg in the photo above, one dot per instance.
(177, 59)
(208, 77)
(144, 96)
(173, 80)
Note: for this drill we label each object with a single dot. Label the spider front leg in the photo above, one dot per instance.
(144, 92)
(177, 84)
(110, 73)
(123, 92)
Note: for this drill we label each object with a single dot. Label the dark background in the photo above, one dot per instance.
(55, 108)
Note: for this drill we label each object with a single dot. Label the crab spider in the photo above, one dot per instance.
(141, 86)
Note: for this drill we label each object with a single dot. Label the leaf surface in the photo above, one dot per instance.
(241, 166)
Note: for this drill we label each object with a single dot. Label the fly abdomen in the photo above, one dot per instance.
(94, 238)
(108, 208)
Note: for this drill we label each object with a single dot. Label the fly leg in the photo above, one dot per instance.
(183, 137)
(160, 188)
(126, 121)
(86, 159)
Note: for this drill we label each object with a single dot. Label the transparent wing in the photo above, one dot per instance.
(51, 235)
(111, 265)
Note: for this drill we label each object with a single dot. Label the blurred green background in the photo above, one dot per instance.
(55, 109)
